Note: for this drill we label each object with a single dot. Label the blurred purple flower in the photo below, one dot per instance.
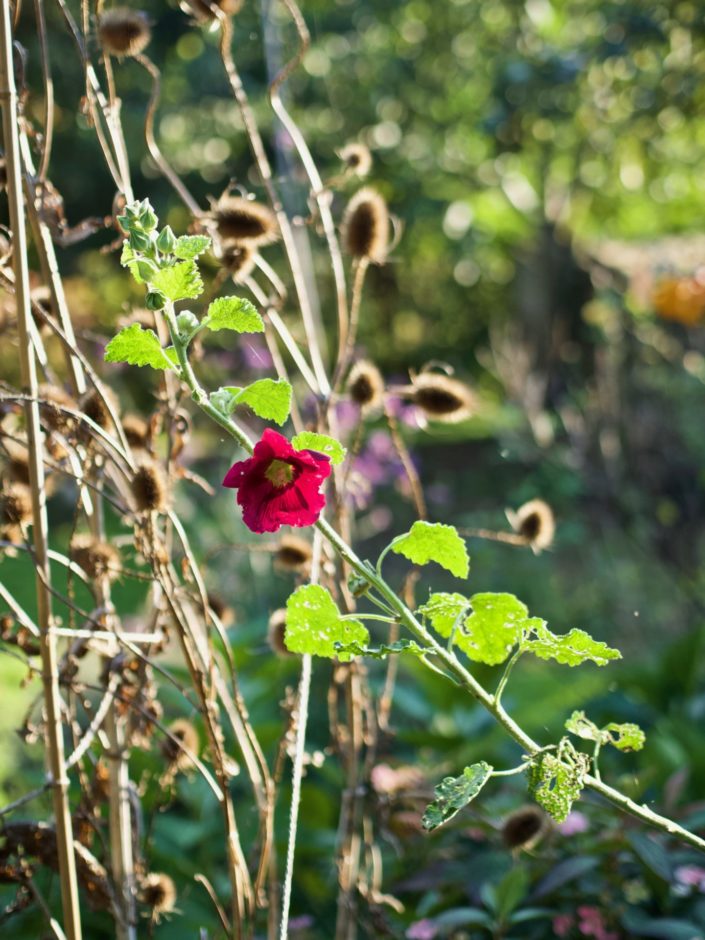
(562, 924)
(575, 823)
(256, 355)
(692, 876)
(303, 922)
(591, 924)
(347, 415)
(422, 930)
(403, 411)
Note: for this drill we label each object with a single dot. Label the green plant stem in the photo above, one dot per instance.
(452, 665)
(506, 674)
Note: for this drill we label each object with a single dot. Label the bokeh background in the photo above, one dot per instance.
(545, 162)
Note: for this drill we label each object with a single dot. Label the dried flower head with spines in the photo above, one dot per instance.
(523, 828)
(365, 227)
(15, 504)
(238, 260)
(158, 891)
(442, 398)
(136, 431)
(293, 553)
(276, 630)
(54, 400)
(123, 32)
(148, 488)
(535, 523)
(98, 559)
(357, 158)
(365, 385)
(241, 221)
(222, 610)
(94, 405)
(187, 735)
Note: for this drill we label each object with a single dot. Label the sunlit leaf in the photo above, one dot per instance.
(571, 649)
(138, 347)
(494, 628)
(442, 610)
(179, 282)
(381, 651)
(314, 624)
(233, 313)
(321, 443)
(268, 398)
(189, 247)
(556, 779)
(453, 793)
(433, 541)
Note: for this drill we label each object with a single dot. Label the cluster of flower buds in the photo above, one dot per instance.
(139, 223)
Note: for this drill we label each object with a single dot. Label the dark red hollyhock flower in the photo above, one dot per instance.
(278, 485)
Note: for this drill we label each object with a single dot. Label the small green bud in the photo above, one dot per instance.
(358, 586)
(124, 221)
(155, 300)
(187, 322)
(166, 241)
(139, 241)
(222, 400)
(146, 269)
(148, 219)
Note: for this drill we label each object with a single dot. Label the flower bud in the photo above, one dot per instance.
(148, 218)
(139, 241)
(187, 322)
(222, 400)
(167, 240)
(155, 300)
(146, 269)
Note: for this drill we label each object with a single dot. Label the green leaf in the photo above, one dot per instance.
(314, 624)
(494, 628)
(268, 398)
(180, 281)
(443, 609)
(557, 779)
(172, 356)
(138, 347)
(630, 737)
(570, 649)
(189, 247)
(233, 313)
(128, 260)
(382, 651)
(321, 443)
(581, 726)
(453, 793)
(433, 541)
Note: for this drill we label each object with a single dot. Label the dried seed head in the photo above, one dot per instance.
(365, 385)
(238, 260)
(97, 559)
(204, 11)
(94, 406)
(124, 32)
(357, 158)
(17, 461)
(148, 488)
(244, 222)
(158, 891)
(186, 734)
(136, 431)
(275, 633)
(293, 553)
(221, 609)
(54, 399)
(15, 504)
(365, 228)
(441, 398)
(535, 522)
(524, 827)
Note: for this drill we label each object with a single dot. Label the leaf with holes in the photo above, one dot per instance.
(453, 793)
(314, 624)
(138, 347)
(189, 247)
(268, 398)
(570, 649)
(442, 610)
(494, 627)
(556, 779)
(233, 313)
(433, 541)
(383, 650)
(179, 281)
(321, 443)
(629, 737)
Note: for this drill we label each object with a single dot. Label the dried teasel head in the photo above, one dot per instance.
(205, 10)
(442, 398)
(136, 431)
(149, 489)
(535, 523)
(276, 630)
(98, 559)
(221, 609)
(365, 227)
(523, 828)
(240, 221)
(94, 405)
(124, 32)
(15, 505)
(187, 735)
(238, 260)
(16, 457)
(293, 553)
(54, 401)
(158, 892)
(357, 158)
(365, 385)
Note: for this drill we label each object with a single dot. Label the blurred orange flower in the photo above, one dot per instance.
(680, 298)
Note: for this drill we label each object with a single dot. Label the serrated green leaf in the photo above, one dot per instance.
(268, 398)
(179, 281)
(630, 737)
(382, 651)
(189, 247)
(233, 313)
(433, 541)
(138, 347)
(570, 649)
(127, 260)
(453, 793)
(557, 779)
(172, 356)
(321, 443)
(494, 628)
(443, 609)
(314, 624)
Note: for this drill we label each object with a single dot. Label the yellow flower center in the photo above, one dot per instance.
(279, 473)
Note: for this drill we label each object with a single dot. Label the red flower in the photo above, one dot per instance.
(278, 485)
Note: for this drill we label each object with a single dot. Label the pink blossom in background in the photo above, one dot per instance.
(591, 924)
(575, 823)
(692, 876)
(562, 924)
(422, 930)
